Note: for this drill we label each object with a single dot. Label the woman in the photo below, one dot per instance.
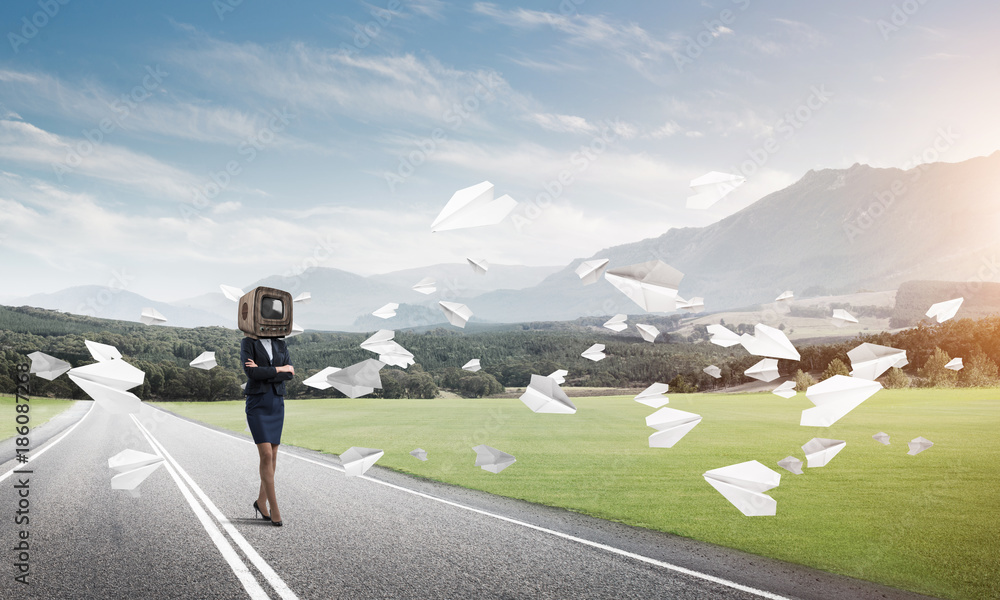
(267, 367)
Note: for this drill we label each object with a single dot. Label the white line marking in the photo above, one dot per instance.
(240, 569)
(265, 569)
(32, 455)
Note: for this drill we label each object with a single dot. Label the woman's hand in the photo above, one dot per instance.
(249, 363)
(285, 369)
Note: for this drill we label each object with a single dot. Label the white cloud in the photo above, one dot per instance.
(668, 129)
(562, 123)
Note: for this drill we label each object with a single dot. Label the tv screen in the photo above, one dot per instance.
(271, 308)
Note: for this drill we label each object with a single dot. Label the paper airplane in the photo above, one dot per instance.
(712, 187)
(151, 316)
(918, 445)
(653, 395)
(671, 425)
(841, 317)
(47, 367)
(419, 454)
(722, 336)
(472, 366)
(691, 305)
(457, 314)
(389, 351)
(233, 293)
(425, 286)
(107, 381)
(954, 364)
(713, 371)
(386, 312)
(473, 207)
(357, 460)
(765, 370)
(102, 352)
(790, 463)
(744, 485)
(559, 376)
(543, 395)
(358, 379)
(296, 330)
(869, 361)
(491, 459)
(594, 353)
(881, 437)
(319, 381)
(820, 451)
(205, 360)
(303, 298)
(770, 342)
(942, 311)
(590, 271)
(835, 397)
(648, 332)
(616, 323)
(133, 468)
(652, 285)
(785, 390)
(479, 265)
(786, 295)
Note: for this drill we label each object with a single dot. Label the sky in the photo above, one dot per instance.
(168, 147)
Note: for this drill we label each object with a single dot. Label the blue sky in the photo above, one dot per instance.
(345, 127)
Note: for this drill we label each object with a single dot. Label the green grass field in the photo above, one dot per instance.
(928, 523)
(42, 409)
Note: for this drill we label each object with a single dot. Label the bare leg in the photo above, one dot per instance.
(267, 478)
(272, 501)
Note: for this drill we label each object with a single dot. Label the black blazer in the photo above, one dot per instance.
(264, 377)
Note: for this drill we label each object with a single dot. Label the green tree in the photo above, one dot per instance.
(936, 373)
(836, 367)
(979, 371)
(803, 380)
(679, 385)
(895, 378)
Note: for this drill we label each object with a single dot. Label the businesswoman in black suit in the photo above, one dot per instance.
(267, 366)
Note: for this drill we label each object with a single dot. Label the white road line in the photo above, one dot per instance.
(612, 549)
(32, 455)
(265, 569)
(240, 569)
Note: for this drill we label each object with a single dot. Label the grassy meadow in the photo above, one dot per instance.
(928, 523)
(42, 409)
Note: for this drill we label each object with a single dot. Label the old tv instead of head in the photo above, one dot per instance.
(265, 312)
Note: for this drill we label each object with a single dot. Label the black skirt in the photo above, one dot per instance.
(265, 416)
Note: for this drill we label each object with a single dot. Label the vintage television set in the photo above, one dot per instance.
(265, 312)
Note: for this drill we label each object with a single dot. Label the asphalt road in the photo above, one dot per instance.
(191, 532)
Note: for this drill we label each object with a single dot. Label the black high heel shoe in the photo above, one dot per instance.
(262, 515)
(276, 523)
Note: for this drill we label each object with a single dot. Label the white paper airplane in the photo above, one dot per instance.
(652, 285)
(770, 342)
(472, 366)
(47, 367)
(473, 207)
(357, 460)
(918, 445)
(786, 295)
(835, 397)
(869, 361)
(942, 311)
(457, 314)
(594, 353)
(543, 395)
(590, 271)
(653, 395)
(671, 425)
(151, 316)
(616, 323)
(491, 459)
(691, 305)
(765, 370)
(387, 312)
(233, 293)
(841, 317)
(712, 187)
(320, 380)
(425, 286)
(559, 376)
(303, 298)
(358, 379)
(881, 437)
(713, 371)
(648, 332)
(107, 381)
(722, 336)
(785, 390)
(954, 364)
(102, 352)
(388, 350)
(744, 485)
(296, 330)
(205, 360)
(133, 468)
(419, 454)
(790, 463)
(820, 451)
(479, 265)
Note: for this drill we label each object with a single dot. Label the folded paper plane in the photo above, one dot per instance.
(820, 451)
(296, 330)
(918, 445)
(388, 350)
(691, 305)
(357, 460)
(319, 381)
(653, 395)
(102, 352)
(616, 323)
(713, 371)
(881, 437)
(457, 314)
(652, 285)
(648, 332)
(133, 468)
(954, 364)
(205, 360)
(303, 298)
(472, 366)
(386, 312)
(358, 379)
(869, 361)
(107, 381)
(151, 316)
(765, 370)
(47, 367)
(425, 286)
(722, 336)
(942, 311)
(543, 395)
(559, 376)
(491, 459)
(594, 353)
(785, 390)
(712, 187)
(419, 454)
(841, 317)
(670, 425)
(590, 271)
(479, 265)
(770, 342)
(835, 397)
(233, 293)
(786, 295)
(744, 485)
(473, 207)
(790, 463)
